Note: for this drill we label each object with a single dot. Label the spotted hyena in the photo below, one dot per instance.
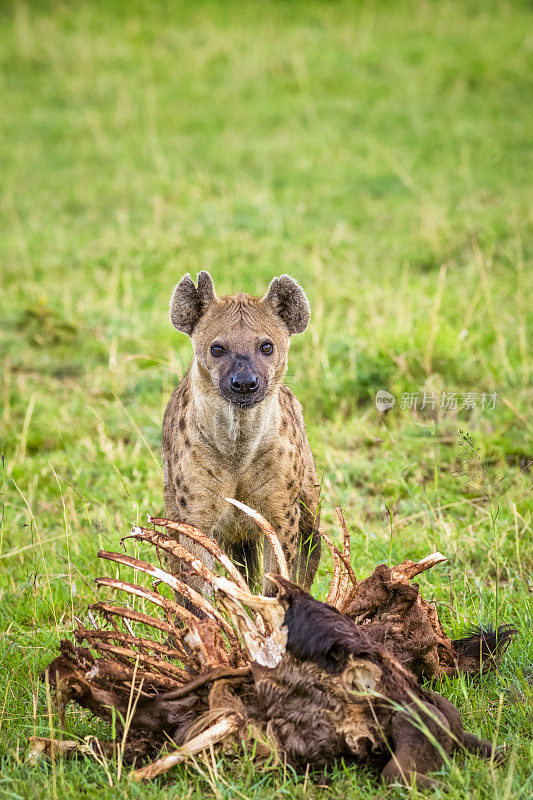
(233, 429)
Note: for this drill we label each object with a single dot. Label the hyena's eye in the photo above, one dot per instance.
(267, 348)
(217, 350)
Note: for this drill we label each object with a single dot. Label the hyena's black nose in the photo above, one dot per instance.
(242, 377)
(244, 382)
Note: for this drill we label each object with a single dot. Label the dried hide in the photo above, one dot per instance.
(396, 615)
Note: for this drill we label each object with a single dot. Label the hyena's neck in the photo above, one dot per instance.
(235, 433)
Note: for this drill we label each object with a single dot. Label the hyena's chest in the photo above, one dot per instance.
(246, 448)
(262, 479)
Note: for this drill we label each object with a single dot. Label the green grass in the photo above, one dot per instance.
(378, 152)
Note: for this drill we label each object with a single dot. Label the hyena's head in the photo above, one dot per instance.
(240, 342)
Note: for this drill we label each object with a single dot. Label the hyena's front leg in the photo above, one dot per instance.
(246, 555)
(309, 544)
(297, 529)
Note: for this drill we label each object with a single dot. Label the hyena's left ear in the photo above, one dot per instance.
(188, 302)
(288, 300)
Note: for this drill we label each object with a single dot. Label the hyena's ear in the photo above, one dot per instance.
(188, 303)
(288, 300)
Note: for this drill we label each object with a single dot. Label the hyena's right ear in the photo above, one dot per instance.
(188, 303)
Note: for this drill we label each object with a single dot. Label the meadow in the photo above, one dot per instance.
(379, 152)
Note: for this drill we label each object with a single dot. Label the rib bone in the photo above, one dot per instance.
(169, 606)
(269, 532)
(407, 570)
(107, 609)
(125, 638)
(334, 585)
(216, 733)
(347, 573)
